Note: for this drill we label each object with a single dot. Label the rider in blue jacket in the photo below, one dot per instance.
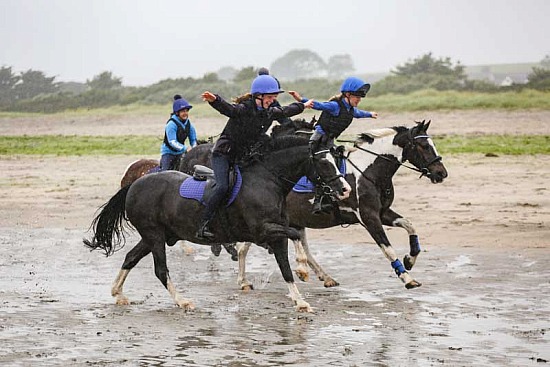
(178, 129)
(337, 114)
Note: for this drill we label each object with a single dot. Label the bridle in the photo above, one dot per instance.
(323, 184)
(424, 171)
(319, 181)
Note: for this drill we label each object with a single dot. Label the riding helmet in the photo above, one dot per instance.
(265, 84)
(355, 86)
(180, 103)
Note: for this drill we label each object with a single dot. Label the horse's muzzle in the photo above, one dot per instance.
(437, 175)
(345, 192)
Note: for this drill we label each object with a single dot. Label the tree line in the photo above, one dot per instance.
(302, 70)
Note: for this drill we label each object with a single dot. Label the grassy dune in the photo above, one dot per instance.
(63, 145)
(426, 100)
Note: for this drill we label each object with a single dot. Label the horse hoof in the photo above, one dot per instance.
(186, 305)
(122, 301)
(304, 276)
(408, 262)
(329, 283)
(303, 306)
(413, 284)
(247, 287)
(216, 249)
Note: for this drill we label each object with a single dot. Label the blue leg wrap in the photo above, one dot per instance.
(398, 267)
(415, 245)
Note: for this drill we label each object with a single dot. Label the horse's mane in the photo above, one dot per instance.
(379, 133)
(286, 141)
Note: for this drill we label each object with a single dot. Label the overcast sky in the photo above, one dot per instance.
(144, 41)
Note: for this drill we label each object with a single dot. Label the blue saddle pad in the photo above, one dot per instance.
(194, 189)
(304, 185)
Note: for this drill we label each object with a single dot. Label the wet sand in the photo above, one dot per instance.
(484, 299)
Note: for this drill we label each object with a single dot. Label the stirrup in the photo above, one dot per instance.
(204, 232)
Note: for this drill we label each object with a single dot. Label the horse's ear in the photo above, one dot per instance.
(313, 120)
(427, 125)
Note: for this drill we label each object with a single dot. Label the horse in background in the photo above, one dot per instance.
(154, 207)
(144, 166)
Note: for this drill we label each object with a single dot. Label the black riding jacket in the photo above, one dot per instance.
(247, 124)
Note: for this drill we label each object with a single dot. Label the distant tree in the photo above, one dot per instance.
(427, 64)
(339, 66)
(539, 78)
(299, 64)
(246, 74)
(424, 72)
(227, 73)
(545, 63)
(7, 82)
(210, 78)
(33, 83)
(104, 81)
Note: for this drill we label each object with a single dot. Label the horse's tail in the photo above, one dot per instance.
(109, 224)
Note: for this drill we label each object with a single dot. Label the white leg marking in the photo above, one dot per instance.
(242, 251)
(301, 258)
(116, 290)
(294, 294)
(405, 224)
(187, 305)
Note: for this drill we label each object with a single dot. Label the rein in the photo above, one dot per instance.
(423, 171)
(318, 180)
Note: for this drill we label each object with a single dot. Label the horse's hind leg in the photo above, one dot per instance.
(242, 251)
(391, 218)
(301, 258)
(280, 249)
(132, 258)
(319, 271)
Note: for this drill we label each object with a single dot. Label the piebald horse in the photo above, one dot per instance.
(376, 157)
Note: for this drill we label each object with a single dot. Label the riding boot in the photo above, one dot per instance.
(317, 204)
(314, 146)
(204, 231)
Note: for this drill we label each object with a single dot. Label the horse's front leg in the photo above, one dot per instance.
(319, 271)
(161, 271)
(391, 218)
(373, 224)
(242, 251)
(280, 250)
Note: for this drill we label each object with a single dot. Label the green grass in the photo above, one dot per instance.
(73, 145)
(495, 144)
(77, 145)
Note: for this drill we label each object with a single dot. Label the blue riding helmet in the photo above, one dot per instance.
(180, 104)
(355, 86)
(265, 84)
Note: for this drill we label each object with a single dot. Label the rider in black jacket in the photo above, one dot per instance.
(249, 119)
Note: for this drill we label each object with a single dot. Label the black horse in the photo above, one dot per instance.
(377, 156)
(153, 206)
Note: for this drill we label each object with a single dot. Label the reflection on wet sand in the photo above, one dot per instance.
(58, 311)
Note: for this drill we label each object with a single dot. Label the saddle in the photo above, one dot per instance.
(199, 186)
(304, 185)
